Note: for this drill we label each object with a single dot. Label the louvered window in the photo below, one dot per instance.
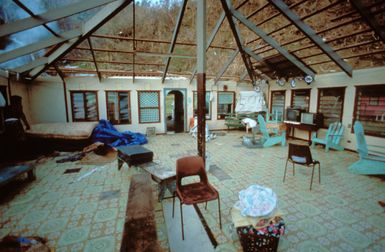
(118, 107)
(370, 109)
(330, 104)
(84, 106)
(149, 106)
(277, 107)
(225, 104)
(301, 99)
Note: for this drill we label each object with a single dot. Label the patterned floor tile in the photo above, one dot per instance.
(100, 244)
(105, 215)
(354, 238)
(74, 235)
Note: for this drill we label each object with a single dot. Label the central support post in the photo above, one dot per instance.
(201, 75)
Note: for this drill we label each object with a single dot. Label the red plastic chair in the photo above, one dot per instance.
(193, 193)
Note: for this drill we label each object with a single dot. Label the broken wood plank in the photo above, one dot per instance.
(139, 233)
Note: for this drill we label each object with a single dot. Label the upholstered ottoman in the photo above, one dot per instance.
(133, 155)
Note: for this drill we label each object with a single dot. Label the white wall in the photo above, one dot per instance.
(370, 76)
(47, 98)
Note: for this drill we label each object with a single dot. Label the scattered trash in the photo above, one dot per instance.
(72, 158)
(29, 244)
(87, 174)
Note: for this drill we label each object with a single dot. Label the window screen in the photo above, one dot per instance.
(149, 110)
(330, 104)
(301, 99)
(118, 107)
(225, 104)
(370, 109)
(84, 106)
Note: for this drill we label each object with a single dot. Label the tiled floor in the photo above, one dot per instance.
(341, 214)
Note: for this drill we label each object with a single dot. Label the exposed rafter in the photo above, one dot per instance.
(272, 42)
(26, 9)
(35, 63)
(214, 32)
(312, 35)
(174, 37)
(369, 18)
(227, 7)
(105, 14)
(34, 47)
(94, 59)
(49, 16)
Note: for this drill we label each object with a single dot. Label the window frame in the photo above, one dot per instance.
(129, 105)
(84, 105)
(297, 90)
(343, 101)
(210, 104)
(271, 101)
(139, 108)
(358, 87)
(232, 104)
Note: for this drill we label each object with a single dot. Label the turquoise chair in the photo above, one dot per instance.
(267, 139)
(332, 138)
(371, 162)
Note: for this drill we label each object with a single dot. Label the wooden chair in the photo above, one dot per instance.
(193, 193)
(270, 140)
(372, 162)
(332, 138)
(300, 154)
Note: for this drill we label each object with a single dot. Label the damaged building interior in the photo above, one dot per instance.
(192, 125)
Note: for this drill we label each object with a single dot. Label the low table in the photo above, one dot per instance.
(165, 177)
(133, 155)
(8, 173)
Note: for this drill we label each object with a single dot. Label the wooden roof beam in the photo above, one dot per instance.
(26, 9)
(312, 35)
(174, 37)
(94, 59)
(34, 47)
(229, 10)
(213, 33)
(49, 16)
(94, 23)
(309, 15)
(368, 16)
(272, 42)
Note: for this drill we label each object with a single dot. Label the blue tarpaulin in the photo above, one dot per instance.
(106, 133)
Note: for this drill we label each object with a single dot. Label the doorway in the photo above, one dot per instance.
(175, 100)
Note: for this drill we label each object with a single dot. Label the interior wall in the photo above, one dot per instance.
(370, 76)
(47, 98)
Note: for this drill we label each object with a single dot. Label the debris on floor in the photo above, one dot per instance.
(28, 244)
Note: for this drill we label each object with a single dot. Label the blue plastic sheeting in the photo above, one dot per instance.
(106, 133)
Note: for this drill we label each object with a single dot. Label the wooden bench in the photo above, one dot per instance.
(139, 232)
(8, 173)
